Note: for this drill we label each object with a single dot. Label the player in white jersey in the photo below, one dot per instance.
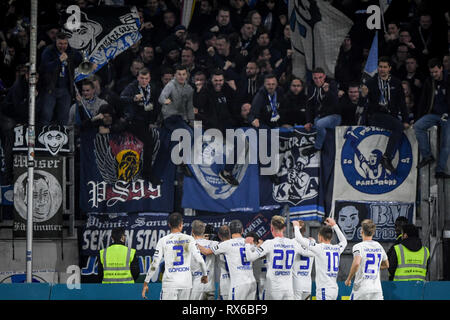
(326, 257)
(177, 249)
(368, 258)
(203, 291)
(301, 273)
(259, 268)
(224, 274)
(280, 253)
(242, 280)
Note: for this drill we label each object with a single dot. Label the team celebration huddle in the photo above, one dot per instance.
(248, 268)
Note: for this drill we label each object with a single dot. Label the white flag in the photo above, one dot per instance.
(318, 30)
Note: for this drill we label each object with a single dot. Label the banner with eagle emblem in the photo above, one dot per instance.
(111, 181)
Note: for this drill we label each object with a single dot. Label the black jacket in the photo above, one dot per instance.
(328, 105)
(261, 108)
(134, 111)
(396, 104)
(50, 68)
(293, 109)
(411, 243)
(426, 103)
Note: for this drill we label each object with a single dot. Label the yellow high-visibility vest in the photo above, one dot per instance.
(412, 265)
(116, 260)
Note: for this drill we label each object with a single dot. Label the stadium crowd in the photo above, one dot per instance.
(237, 57)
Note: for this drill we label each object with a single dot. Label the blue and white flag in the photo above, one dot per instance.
(359, 175)
(110, 173)
(298, 178)
(372, 61)
(206, 191)
(103, 34)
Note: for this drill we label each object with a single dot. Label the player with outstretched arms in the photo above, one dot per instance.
(280, 253)
(368, 258)
(326, 256)
(202, 291)
(177, 250)
(242, 280)
(301, 272)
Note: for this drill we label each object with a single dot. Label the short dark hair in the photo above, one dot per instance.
(88, 82)
(270, 76)
(217, 72)
(326, 232)
(61, 35)
(175, 219)
(143, 72)
(117, 233)
(353, 84)
(180, 67)
(410, 230)
(385, 59)
(435, 62)
(318, 70)
(236, 226)
(224, 232)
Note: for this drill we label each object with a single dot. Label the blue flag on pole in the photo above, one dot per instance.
(372, 61)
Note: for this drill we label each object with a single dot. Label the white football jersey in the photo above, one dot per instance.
(177, 250)
(210, 266)
(301, 271)
(326, 258)
(367, 277)
(280, 253)
(241, 270)
(224, 278)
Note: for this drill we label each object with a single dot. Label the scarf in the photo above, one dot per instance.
(147, 94)
(273, 104)
(385, 91)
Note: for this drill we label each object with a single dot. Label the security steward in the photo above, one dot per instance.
(118, 263)
(410, 258)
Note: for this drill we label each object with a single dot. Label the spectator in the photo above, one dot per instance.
(271, 11)
(409, 261)
(104, 93)
(227, 58)
(322, 108)
(293, 108)
(177, 106)
(245, 111)
(405, 38)
(391, 39)
(188, 60)
(166, 29)
(147, 56)
(399, 61)
(239, 10)
(203, 16)
(255, 19)
(221, 115)
(352, 106)
(247, 37)
(171, 52)
(399, 223)
(414, 77)
(348, 64)
(446, 62)
(249, 84)
(86, 106)
(409, 101)
(200, 97)
(123, 62)
(136, 65)
(223, 22)
(58, 63)
(142, 112)
(266, 103)
(201, 58)
(385, 101)
(433, 110)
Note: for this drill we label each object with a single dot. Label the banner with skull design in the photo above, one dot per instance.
(359, 175)
(104, 33)
(110, 173)
(48, 193)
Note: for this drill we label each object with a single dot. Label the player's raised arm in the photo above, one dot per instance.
(253, 252)
(340, 235)
(198, 257)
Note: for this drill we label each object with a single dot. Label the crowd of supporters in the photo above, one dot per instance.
(238, 59)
